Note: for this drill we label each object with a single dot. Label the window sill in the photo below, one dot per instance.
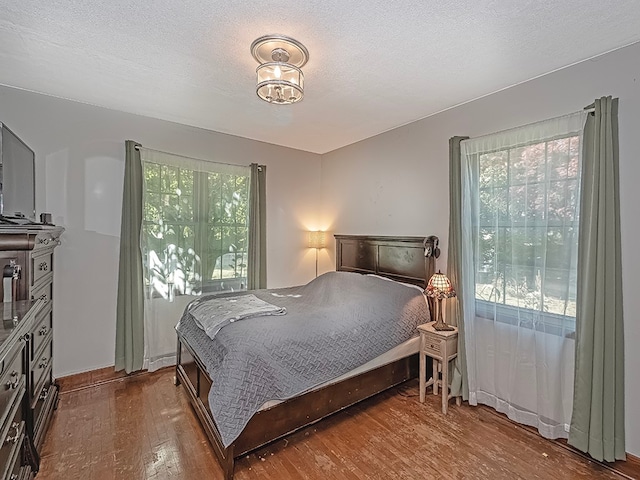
(550, 323)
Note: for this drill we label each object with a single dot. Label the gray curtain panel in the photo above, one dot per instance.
(597, 423)
(454, 307)
(130, 303)
(257, 258)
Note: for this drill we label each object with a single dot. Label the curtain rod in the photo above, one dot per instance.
(138, 147)
(466, 140)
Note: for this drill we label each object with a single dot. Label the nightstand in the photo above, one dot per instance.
(442, 347)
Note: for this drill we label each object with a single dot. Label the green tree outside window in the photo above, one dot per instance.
(527, 226)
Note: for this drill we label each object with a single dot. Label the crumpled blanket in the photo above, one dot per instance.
(211, 314)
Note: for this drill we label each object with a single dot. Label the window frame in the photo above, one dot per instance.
(539, 319)
(201, 225)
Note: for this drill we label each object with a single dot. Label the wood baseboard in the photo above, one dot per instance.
(630, 468)
(79, 381)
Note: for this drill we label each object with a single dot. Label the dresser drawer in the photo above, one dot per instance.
(432, 345)
(40, 332)
(12, 380)
(43, 410)
(43, 292)
(20, 472)
(41, 265)
(12, 437)
(40, 371)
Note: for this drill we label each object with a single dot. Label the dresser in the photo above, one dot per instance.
(27, 263)
(18, 455)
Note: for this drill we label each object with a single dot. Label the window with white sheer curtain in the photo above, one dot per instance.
(194, 240)
(520, 201)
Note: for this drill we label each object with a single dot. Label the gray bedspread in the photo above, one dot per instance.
(333, 324)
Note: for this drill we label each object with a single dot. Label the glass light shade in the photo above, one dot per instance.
(439, 286)
(317, 240)
(280, 83)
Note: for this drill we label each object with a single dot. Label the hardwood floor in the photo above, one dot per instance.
(142, 427)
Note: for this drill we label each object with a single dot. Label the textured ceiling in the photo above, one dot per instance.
(374, 65)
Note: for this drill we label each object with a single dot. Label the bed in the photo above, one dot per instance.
(409, 260)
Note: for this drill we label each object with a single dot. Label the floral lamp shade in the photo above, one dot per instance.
(439, 287)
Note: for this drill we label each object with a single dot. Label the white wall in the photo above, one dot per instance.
(397, 183)
(79, 172)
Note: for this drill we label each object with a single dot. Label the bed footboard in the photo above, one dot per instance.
(192, 375)
(309, 408)
(286, 417)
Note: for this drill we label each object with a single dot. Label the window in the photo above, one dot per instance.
(195, 226)
(525, 227)
(519, 222)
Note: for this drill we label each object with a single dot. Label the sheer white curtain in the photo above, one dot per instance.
(194, 241)
(520, 195)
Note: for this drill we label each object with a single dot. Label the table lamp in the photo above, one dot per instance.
(439, 287)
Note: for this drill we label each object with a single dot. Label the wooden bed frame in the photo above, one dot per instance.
(398, 258)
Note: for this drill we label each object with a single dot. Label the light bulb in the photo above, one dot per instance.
(277, 72)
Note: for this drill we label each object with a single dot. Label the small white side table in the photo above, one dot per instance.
(442, 347)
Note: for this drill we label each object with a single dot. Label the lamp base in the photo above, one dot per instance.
(442, 327)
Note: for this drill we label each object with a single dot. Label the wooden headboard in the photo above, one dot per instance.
(399, 258)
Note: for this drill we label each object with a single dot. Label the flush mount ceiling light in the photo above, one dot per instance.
(280, 80)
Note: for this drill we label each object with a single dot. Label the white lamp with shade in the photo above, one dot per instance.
(317, 240)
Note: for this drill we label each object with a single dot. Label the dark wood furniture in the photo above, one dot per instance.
(26, 259)
(399, 258)
(18, 457)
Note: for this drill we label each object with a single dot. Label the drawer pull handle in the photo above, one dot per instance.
(16, 437)
(14, 476)
(44, 240)
(13, 383)
(43, 266)
(44, 394)
(43, 331)
(44, 362)
(43, 296)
